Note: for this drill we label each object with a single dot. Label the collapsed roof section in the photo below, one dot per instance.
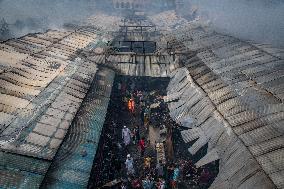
(228, 92)
(43, 85)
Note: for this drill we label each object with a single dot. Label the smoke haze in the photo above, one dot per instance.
(261, 21)
(258, 20)
(27, 16)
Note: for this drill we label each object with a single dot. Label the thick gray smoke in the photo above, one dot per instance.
(25, 16)
(257, 20)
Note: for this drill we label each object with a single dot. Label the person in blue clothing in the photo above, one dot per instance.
(147, 183)
(175, 177)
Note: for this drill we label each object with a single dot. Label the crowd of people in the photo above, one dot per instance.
(133, 162)
(158, 177)
(171, 175)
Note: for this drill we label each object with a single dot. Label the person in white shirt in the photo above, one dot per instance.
(126, 136)
(129, 165)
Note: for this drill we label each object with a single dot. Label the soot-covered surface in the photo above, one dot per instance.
(111, 153)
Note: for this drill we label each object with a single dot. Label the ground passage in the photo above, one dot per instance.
(138, 119)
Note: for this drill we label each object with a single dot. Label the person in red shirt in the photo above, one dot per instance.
(142, 146)
(135, 183)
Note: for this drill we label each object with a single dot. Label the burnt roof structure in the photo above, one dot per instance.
(55, 89)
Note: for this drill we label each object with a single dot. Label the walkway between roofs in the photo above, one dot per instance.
(119, 114)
